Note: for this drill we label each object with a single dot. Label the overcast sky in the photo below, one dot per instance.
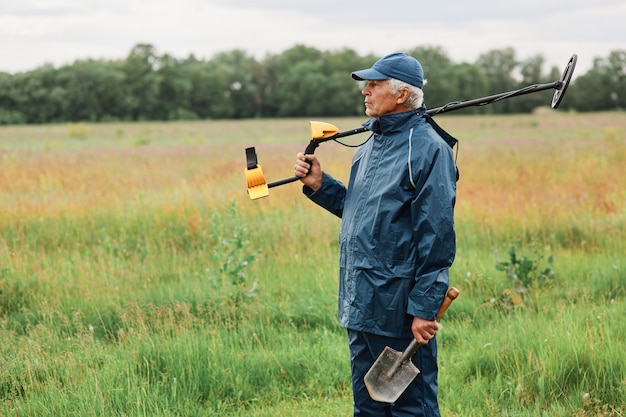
(38, 32)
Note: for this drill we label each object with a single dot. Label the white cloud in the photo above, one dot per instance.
(60, 31)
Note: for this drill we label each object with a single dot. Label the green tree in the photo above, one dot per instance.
(141, 83)
(209, 97)
(306, 82)
(174, 95)
(224, 105)
(343, 94)
(39, 96)
(616, 74)
(277, 68)
(603, 87)
(9, 110)
(301, 91)
(467, 82)
(93, 91)
(301, 81)
(438, 71)
(531, 70)
(499, 65)
(246, 77)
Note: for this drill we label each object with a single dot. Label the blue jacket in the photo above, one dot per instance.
(397, 239)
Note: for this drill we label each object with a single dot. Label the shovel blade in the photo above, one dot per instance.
(384, 387)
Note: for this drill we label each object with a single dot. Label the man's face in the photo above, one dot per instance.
(380, 101)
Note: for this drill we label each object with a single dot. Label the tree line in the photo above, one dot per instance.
(299, 82)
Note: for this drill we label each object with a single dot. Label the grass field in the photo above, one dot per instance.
(138, 279)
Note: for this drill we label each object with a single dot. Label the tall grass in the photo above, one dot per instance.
(137, 278)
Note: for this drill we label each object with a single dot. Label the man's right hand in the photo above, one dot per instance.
(309, 170)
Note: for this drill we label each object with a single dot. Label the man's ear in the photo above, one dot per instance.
(403, 96)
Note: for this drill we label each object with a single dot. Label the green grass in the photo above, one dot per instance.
(140, 280)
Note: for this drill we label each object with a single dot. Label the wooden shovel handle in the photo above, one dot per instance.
(450, 297)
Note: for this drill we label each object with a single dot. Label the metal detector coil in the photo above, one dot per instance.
(564, 81)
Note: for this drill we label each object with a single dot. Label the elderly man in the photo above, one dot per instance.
(397, 239)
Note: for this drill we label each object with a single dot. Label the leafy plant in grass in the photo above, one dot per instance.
(232, 255)
(524, 273)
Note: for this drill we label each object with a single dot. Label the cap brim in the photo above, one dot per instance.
(369, 74)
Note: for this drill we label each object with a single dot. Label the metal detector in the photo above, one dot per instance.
(258, 187)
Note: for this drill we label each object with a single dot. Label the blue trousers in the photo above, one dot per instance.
(419, 399)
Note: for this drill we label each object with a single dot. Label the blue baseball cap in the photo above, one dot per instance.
(400, 66)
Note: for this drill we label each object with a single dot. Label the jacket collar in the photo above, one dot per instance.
(395, 122)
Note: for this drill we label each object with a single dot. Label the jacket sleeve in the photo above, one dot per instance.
(432, 212)
(330, 195)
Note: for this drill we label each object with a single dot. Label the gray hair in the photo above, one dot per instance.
(416, 95)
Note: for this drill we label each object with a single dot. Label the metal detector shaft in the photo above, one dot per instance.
(432, 112)
(492, 99)
(560, 86)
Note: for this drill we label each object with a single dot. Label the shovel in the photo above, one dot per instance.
(393, 371)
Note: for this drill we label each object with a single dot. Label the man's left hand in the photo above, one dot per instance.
(424, 330)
